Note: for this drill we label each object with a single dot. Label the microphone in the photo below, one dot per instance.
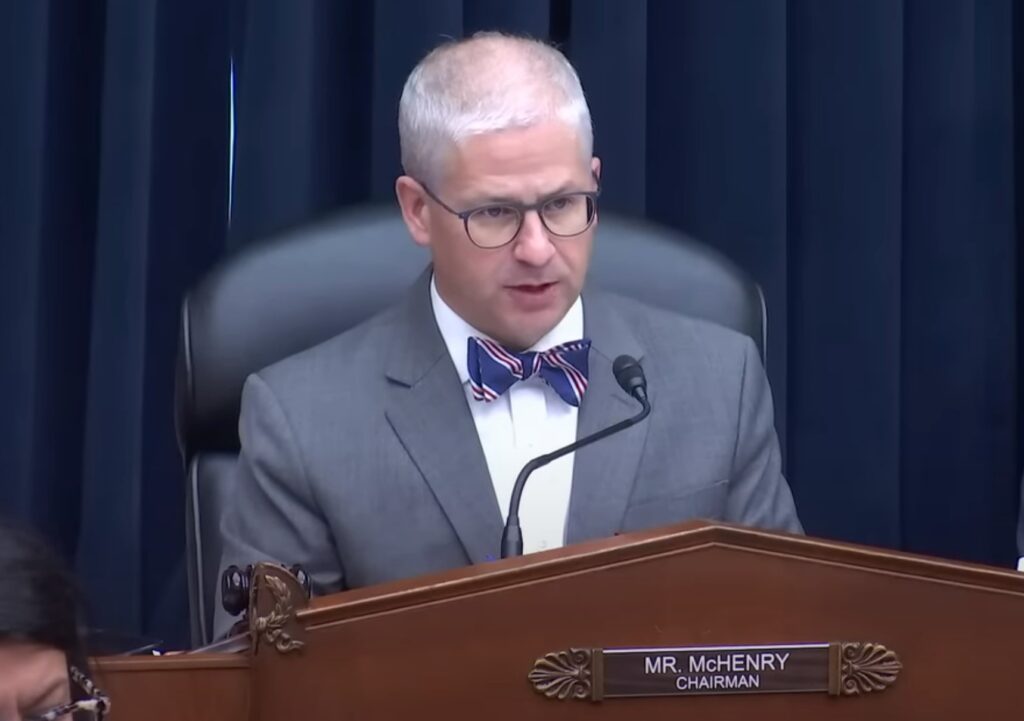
(630, 377)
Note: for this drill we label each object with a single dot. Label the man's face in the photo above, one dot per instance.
(518, 292)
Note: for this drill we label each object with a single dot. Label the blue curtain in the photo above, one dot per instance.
(856, 156)
(114, 201)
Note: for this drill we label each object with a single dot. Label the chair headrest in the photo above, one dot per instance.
(286, 293)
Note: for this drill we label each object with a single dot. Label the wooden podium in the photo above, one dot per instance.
(928, 639)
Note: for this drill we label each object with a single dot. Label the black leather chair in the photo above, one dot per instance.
(291, 291)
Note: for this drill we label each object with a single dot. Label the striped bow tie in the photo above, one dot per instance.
(493, 368)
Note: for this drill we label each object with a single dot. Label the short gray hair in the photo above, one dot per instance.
(483, 84)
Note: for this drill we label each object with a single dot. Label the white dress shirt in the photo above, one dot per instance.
(530, 419)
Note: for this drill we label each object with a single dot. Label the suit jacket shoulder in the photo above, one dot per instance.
(679, 349)
(669, 330)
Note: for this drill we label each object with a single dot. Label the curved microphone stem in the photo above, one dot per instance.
(512, 536)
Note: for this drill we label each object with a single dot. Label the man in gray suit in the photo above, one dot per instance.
(390, 450)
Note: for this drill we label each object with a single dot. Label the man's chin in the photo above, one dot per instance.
(527, 330)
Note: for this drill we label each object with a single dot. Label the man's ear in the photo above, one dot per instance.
(595, 167)
(413, 202)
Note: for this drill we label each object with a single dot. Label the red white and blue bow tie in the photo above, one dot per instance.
(493, 369)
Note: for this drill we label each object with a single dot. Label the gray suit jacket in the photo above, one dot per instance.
(361, 462)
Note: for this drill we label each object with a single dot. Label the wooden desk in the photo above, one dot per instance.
(177, 688)
(459, 645)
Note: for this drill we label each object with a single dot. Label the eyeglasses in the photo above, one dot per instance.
(93, 708)
(497, 224)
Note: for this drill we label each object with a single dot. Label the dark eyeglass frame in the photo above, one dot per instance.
(97, 702)
(522, 209)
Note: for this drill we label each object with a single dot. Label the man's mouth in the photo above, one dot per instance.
(531, 288)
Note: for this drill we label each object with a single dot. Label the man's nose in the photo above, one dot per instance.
(533, 244)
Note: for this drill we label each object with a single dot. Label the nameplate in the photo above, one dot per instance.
(595, 674)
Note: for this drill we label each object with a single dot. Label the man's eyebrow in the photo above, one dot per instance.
(566, 187)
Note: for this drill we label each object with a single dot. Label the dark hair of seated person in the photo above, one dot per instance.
(42, 658)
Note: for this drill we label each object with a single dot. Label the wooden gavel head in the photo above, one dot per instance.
(236, 587)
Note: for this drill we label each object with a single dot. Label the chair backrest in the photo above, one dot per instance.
(305, 285)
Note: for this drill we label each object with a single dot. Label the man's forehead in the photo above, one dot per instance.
(32, 672)
(518, 168)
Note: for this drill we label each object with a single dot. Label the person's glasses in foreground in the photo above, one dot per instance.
(92, 708)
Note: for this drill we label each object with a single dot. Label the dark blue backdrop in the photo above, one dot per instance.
(856, 156)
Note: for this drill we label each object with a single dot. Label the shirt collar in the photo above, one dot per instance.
(456, 332)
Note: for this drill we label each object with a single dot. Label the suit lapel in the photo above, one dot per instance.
(426, 407)
(604, 472)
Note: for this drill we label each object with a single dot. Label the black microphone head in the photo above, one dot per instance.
(630, 375)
